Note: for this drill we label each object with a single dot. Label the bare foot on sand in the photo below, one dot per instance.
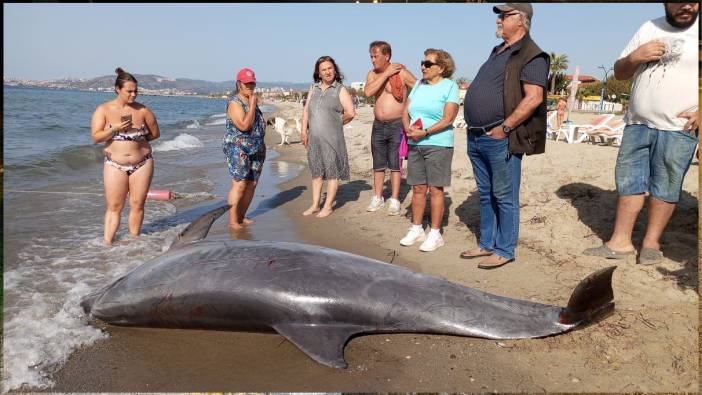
(247, 221)
(310, 210)
(325, 212)
(234, 226)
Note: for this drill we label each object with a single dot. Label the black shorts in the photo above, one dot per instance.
(385, 145)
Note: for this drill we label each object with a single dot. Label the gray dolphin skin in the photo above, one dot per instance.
(318, 298)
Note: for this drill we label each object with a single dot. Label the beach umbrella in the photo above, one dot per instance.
(573, 91)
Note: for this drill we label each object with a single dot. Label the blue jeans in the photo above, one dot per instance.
(655, 161)
(498, 175)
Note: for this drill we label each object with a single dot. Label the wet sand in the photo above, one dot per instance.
(649, 344)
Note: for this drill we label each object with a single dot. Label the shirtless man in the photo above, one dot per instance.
(387, 126)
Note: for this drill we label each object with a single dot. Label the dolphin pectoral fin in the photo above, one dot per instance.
(323, 343)
(592, 298)
(197, 230)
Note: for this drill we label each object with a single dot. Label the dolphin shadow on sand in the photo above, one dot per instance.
(319, 298)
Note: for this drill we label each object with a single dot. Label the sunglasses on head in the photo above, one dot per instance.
(504, 15)
(427, 63)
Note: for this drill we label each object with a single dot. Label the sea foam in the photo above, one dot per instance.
(193, 125)
(182, 142)
(43, 320)
(218, 121)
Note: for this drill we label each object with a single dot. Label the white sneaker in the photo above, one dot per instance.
(376, 203)
(393, 207)
(432, 242)
(413, 236)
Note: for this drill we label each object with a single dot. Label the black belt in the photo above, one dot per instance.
(484, 129)
(387, 122)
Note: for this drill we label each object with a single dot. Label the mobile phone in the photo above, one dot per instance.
(127, 117)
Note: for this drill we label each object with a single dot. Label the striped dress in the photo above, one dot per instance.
(326, 148)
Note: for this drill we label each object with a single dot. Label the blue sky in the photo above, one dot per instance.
(282, 41)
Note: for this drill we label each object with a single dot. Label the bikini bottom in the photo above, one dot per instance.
(129, 169)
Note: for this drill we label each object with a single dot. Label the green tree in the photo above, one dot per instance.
(561, 83)
(622, 89)
(559, 64)
(589, 90)
(613, 86)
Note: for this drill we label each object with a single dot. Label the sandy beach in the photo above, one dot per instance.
(568, 200)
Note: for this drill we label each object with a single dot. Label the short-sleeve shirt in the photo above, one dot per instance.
(664, 88)
(427, 103)
(484, 101)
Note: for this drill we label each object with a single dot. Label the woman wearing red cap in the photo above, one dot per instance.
(327, 109)
(243, 146)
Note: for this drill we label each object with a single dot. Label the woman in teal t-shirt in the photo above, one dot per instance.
(428, 119)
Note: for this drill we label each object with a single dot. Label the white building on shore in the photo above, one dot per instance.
(358, 85)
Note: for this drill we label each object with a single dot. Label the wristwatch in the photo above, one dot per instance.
(506, 129)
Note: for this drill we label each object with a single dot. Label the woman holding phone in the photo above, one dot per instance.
(126, 127)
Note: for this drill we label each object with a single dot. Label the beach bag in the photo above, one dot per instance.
(404, 149)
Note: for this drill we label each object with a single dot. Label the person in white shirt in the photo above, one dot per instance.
(662, 126)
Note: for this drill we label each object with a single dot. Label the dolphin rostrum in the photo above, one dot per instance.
(318, 298)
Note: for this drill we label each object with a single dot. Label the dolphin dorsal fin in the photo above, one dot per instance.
(197, 230)
(322, 342)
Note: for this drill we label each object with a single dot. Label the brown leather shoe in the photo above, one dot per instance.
(494, 261)
(474, 253)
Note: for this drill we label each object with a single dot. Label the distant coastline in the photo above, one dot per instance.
(157, 85)
(141, 91)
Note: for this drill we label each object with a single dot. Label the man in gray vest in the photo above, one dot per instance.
(505, 109)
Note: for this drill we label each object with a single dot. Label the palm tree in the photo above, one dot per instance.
(559, 63)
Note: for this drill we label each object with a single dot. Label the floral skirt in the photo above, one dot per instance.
(244, 166)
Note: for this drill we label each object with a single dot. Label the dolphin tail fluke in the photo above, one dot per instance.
(197, 230)
(592, 298)
(323, 343)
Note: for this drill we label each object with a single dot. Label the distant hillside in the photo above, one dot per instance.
(156, 82)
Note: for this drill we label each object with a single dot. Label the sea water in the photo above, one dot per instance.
(54, 209)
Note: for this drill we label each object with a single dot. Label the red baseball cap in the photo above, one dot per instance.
(246, 75)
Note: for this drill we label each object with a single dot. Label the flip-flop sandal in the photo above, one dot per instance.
(467, 254)
(606, 252)
(650, 256)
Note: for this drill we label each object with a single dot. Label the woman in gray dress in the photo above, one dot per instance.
(327, 109)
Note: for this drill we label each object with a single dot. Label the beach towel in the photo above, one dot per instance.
(395, 85)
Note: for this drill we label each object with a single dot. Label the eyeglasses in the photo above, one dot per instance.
(427, 63)
(504, 15)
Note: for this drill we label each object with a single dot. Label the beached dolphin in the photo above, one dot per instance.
(318, 298)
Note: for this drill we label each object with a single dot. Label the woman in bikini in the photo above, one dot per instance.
(560, 112)
(128, 162)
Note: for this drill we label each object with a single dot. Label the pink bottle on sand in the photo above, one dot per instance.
(159, 194)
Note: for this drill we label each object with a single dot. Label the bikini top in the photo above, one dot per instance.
(134, 135)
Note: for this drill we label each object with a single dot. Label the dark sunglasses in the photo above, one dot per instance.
(427, 64)
(504, 15)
